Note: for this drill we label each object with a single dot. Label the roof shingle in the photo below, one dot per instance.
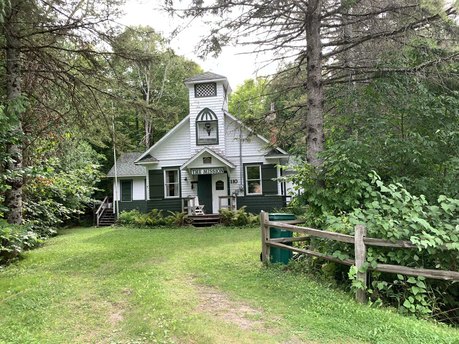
(126, 167)
(207, 76)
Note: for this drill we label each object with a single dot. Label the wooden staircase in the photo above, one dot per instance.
(205, 220)
(107, 218)
(104, 215)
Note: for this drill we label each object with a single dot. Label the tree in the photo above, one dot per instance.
(333, 41)
(150, 77)
(58, 46)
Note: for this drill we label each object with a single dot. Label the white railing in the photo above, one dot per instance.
(104, 205)
(231, 202)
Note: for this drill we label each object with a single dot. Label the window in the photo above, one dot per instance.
(171, 183)
(207, 160)
(207, 89)
(126, 190)
(206, 128)
(220, 185)
(253, 180)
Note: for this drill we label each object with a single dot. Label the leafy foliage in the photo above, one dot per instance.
(60, 188)
(15, 239)
(154, 218)
(388, 211)
(238, 217)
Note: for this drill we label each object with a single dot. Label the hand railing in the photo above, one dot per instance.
(101, 209)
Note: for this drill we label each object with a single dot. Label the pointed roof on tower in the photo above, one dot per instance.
(208, 77)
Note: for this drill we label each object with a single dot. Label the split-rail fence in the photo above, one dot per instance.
(360, 241)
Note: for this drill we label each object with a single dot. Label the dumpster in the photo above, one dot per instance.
(280, 255)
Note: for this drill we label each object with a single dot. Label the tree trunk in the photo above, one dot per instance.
(315, 138)
(14, 108)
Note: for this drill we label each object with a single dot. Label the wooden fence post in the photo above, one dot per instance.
(360, 258)
(265, 249)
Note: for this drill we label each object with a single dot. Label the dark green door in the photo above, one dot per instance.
(205, 192)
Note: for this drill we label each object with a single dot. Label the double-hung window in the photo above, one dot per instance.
(253, 180)
(171, 183)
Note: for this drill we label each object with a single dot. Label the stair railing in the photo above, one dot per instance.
(101, 209)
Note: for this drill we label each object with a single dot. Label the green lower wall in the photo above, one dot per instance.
(174, 204)
(139, 205)
(255, 204)
(146, 206)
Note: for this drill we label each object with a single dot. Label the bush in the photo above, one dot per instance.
(14, 240)
(389, 211)
(238, 217)
(154, 218)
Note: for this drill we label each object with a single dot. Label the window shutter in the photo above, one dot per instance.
(268, 172)
(156, 181)
(126, 190)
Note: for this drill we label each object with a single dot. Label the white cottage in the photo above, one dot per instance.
(210, 155)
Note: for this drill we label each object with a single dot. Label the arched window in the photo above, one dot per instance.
(206, 128)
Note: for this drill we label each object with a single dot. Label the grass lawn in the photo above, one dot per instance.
(121, 285)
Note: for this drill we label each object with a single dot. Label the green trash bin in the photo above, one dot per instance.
(280, 255)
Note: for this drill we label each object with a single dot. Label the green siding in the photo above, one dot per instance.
(255, 204)
(156, 181)
(146, 206)
(172, 204)
(139, 205)
(268, 172)
(126, 190)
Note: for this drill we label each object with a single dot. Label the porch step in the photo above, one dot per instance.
(205, 220)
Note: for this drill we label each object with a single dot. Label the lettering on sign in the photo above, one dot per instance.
(213, 170)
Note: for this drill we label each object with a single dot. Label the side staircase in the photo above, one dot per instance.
(107, 218)
(104, 214)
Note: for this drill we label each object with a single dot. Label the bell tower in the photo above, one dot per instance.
(208, 94)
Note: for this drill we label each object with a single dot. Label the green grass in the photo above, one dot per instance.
(121, 285)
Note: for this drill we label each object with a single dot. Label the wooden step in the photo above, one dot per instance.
(205, 220)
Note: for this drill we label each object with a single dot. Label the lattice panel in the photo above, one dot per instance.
(208, 89)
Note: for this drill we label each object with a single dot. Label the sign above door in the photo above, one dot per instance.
(210, 170)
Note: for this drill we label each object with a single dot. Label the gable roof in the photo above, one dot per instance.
(169, 133)
(207, 76)
(217, 156)
(147, 159)
(278, 149)
(125, 166)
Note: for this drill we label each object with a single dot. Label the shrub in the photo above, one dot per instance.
(14, 240)
(153, 218)
(237, 217)
(389, 211)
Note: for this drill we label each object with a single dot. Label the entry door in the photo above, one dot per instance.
(219, 188)
(205, 192)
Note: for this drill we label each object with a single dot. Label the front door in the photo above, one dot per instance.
(219, 188)
(205, 192)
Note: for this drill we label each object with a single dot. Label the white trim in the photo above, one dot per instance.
(247, 180)
(211, 152)
(165, 183)
(174, 129)
(251, 130)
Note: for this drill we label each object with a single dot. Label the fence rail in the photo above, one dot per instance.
(360, 241)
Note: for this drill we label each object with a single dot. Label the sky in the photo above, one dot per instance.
(231, 63)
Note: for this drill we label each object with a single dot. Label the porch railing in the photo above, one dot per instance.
(104, 205)
(228, 202)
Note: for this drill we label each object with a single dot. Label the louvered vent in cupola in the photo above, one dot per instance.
(207, 89)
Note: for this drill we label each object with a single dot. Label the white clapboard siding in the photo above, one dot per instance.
(252, 145)
(175, 147)
(138, 188)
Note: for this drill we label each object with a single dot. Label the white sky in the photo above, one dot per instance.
(230, 63)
